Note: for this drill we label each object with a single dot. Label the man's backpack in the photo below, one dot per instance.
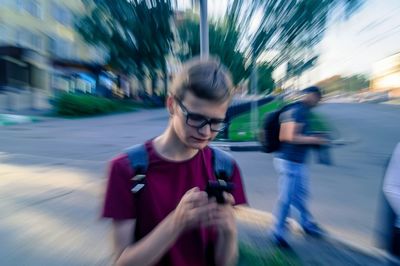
(269, 134)
(223, 164)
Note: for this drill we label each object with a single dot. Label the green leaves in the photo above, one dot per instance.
(290, 28)
(137, 34)
(224, 44)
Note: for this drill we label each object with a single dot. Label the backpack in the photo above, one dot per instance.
(223, 164)
(269, 134)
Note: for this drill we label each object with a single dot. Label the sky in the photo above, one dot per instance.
(349, 47)
(355, 45)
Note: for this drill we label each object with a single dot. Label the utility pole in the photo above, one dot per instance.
(204, 46)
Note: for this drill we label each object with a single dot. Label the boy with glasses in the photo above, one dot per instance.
(175, 222)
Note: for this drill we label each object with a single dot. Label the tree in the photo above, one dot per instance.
(287, 29)
(137, 34)
(265, 82)
(223, 41)
(352, 83)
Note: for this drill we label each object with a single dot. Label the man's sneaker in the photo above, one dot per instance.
(280, 242)
(314, 230)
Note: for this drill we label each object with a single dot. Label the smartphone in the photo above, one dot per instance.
(215, 188)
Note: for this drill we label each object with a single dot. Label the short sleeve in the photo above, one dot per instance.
(295, 114)
(119, 200)
(238, 191)
(287, 116)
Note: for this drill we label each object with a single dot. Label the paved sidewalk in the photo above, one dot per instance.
(254, 225)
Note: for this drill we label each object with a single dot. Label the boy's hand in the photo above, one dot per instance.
(193, 209)
(223, 216)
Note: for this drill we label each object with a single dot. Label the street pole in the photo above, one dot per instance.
(204, 50)
(254, 108)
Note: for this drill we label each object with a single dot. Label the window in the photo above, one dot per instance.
(29, 39)
(36, 42)
(3, 32)
(61, 48)
(20, 5)
(33, 7)
(23, 37)
(9, 3)
(61, 14)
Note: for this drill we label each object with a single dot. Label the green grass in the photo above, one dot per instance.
(242, 128)
(78, 105)
(249, 255)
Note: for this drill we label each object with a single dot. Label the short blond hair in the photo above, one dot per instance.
(205, 78)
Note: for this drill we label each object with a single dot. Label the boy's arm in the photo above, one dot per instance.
(148, 250)
(191, 212)
(226, 246)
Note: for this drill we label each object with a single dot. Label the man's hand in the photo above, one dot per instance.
(318, 140)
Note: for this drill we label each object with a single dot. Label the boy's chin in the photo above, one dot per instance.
(198, 145)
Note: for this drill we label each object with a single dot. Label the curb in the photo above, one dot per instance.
(366, 250)
(238, 146)
(11, 119)
(256, 146)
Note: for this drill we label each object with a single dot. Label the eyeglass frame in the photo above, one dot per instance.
(207, 121)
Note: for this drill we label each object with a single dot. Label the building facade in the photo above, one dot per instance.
(386, 76)
(46, 26)
(35, 35)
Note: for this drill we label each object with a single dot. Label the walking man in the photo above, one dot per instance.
(290, 163)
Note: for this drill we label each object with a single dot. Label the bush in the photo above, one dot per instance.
(68, 104)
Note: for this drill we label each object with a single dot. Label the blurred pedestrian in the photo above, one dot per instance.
(290, 163)
(391, 189)
(169, 219)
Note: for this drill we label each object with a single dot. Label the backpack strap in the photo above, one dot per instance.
(223, 164)
(139, 160)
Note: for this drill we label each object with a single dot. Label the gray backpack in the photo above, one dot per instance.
(223, 164)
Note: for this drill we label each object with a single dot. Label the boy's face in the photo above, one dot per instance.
(196, 121)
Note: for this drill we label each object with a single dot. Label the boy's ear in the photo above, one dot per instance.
(170, 104)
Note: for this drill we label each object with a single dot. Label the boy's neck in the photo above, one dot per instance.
(170, 146)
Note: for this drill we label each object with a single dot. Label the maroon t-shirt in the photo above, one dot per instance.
(166, 183)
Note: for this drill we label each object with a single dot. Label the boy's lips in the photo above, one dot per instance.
(199, 140)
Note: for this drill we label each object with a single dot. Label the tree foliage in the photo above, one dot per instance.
(137, 34)
(223, 41)
(265, 82)
(348, 84)
(289, 28)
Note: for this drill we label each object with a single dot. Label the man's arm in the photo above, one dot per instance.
(290, 132)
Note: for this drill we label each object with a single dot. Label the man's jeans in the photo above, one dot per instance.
(293, 190)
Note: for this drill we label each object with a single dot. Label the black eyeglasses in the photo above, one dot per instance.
(198, 121)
